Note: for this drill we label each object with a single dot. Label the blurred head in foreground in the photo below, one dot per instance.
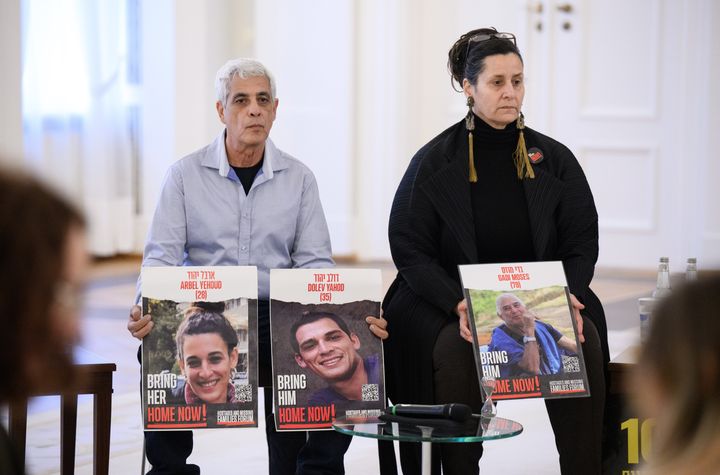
(43, 264)
(677, 381)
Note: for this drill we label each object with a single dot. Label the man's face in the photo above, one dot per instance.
(512, 311)
(328, 351)
(249, 112)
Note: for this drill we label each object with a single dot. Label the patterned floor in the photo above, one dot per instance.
(111, 292)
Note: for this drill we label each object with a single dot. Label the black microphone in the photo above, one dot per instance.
(455, 411)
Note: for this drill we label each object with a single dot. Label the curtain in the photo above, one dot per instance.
(78, 111)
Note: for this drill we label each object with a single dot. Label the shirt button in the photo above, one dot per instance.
(243, 248)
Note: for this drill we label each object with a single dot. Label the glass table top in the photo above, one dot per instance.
(477, 429)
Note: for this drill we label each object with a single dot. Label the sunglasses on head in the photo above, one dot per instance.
(480, 37)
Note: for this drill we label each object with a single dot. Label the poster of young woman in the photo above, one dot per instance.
(199, 363)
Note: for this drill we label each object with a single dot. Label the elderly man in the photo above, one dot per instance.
(533, 347)
(324, 344)
(242, 201)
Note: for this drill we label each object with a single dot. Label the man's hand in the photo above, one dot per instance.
(139, 325)
(462, 312)
(576, 307)
(378, 325)
(529, 323)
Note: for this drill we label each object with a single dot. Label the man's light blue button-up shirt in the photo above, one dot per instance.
(204, 218)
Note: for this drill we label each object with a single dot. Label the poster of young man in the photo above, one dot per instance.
(526, 342)
(199, 363)
(326, 362)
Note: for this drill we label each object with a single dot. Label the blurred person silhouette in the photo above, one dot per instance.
(677, 381)
(42, 275)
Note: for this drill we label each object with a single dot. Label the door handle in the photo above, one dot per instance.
(536, 7)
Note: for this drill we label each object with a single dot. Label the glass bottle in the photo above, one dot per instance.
(662, 288)
(691, 270)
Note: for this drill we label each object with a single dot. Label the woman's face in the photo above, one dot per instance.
(207, 366)
(499, 90)
(68, 298)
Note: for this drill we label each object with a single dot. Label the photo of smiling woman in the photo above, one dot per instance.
(199, 364)
(207, 355)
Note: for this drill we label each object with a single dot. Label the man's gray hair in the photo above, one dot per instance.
(502, 296)
(244, 68)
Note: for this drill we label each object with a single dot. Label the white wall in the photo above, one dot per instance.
(378, 117)
(708, 177)
(157, 147)
(11, 143)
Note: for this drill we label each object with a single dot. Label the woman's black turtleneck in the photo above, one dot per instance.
(502, 222)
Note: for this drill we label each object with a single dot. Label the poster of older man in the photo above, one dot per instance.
(524, 329)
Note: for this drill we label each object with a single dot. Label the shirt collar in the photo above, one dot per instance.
(217, 158)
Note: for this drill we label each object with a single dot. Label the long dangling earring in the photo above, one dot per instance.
(520, 156)
(470, 126)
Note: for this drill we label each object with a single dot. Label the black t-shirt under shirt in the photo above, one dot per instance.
(500, 214)
(247, 175)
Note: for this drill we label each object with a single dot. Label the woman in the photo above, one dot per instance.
(207, 355)
(471, 195)
(43, 265)
(677, 381)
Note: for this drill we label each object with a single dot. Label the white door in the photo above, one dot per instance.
(607, 78)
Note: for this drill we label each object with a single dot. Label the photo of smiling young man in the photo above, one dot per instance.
(325, 345)
(326, 362)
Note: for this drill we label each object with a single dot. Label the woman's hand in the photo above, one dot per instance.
(462, 312)
(378, 325)
(576, 307)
